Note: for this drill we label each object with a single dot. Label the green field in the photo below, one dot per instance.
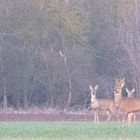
(68, 131)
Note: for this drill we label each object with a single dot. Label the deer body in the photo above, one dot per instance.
(126, 105)
(103, 104)
(97, 105)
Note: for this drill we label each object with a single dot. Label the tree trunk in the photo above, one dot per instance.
(25, 102)
(17, 102)
(69, 83)
(5, 106)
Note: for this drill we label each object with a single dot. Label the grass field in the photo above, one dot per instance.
(68, 131)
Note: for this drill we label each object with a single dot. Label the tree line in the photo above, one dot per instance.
(51, 50)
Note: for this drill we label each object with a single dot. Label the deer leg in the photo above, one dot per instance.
(125, 116)
(109, 115)
(118, 116)
(129, 118)
(134, 117)
(97, 116)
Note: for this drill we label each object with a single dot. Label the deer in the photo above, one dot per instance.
(125, 104)
(97, 105)
(130, 94)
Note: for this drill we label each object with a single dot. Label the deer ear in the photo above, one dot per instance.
(133, 90)
(90, 87)
(96, 87)
(126, 90)
(122, 83)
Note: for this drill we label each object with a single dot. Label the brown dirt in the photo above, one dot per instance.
(45, 117)
(52, 117)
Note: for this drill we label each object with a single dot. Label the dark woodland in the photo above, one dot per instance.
(51, 50)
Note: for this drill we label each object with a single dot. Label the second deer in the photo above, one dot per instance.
(107, 105)
(126, 105)
(130, 94)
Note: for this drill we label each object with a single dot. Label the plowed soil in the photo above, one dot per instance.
(54, 117)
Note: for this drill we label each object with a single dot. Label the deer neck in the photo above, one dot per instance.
(118, 98)
(93, 98)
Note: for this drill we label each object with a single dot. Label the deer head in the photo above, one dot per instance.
(119, 85)
(130, 93)
(118, 90)
(93, 92)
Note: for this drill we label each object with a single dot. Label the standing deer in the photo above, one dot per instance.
(130, 94)
(126, 105)
(101, 104)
